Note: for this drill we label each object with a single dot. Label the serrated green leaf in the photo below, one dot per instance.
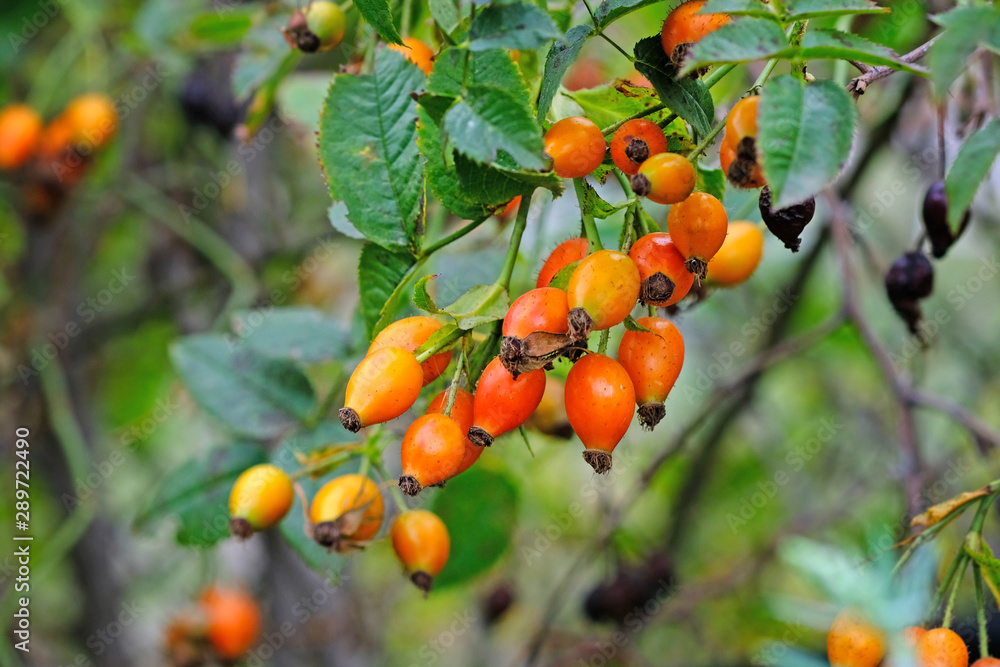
(801, 10)
(610, 11)
(298, 333)
(379, 15)
(423, 300)
(595, 206)
(612, 103)
(965, 30)
(251, 394)
(739, 8)
(289, 455)
(487, 120)
(804, 135)
(197, 494)
(688, 98)
(445, 14)
(518, 25)
(967, 172)
(561, 55)
(367, 144)
(712, 181)
(480, 305)
(223, 28)
(837, 45)
(442, 177)
(381, 274)
(743, 40)
(456, 69)
(501, 182)
(479, 507)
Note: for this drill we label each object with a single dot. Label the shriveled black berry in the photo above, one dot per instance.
(205, 100)
(786, 223)
(909, 279)
(935, 214)
(628, 594)
(496, 604)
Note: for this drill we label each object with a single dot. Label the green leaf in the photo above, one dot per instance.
(300, 334)
(480, 305)
(610, 11)
(479, 507)
(837, 45)
(456, 69)
(970, 167)
(739, 8)
(337, 214)
(449, 334)
(501, 182)
(301, 96)
(805, 134)
(367, 144)
(445, 14)
(442, 178)
(379, 15)
(965, 30)
(595, 206)
(518, 25)
(686, 97)
(380, 275)
(251, 394)
(800, 10)
(291, 455)
(740, 41)
(561, 55)
(422, 299)
(712, 181)
(611, 103)
(223, 28)
(486, 120)
(561, 279)
(632, 325)
(197, 494)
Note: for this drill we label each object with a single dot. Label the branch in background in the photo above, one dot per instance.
(859, 84)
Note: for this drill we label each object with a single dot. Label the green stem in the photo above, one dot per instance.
(602, 347)
(397, 495)
(626, 186)
(798, 64)
(706, 142)
(610, 129)
(622, 51)
(950, 607)
(451, 238)
(338, 458)
(763, 77)
(216, 250)
(949, 577)
(716, 76)
(980, 517)
(453, 389)
(589, 226)
(984, 639)
(515, 241)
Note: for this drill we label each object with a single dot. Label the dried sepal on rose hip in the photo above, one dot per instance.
(261, 497)
(786, 223)
(665, 278)
(346, 513)
(635, 142)
(422, 544)
(537, 330)
(909, 280)
(432, 452)
(738, 154)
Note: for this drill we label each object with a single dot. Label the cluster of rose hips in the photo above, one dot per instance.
(51, 159)
(221, 627)
(910, 279)
(855, 642)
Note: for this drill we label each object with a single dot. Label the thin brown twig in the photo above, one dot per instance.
(973, 424)
(859, 84)
(911, 467)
